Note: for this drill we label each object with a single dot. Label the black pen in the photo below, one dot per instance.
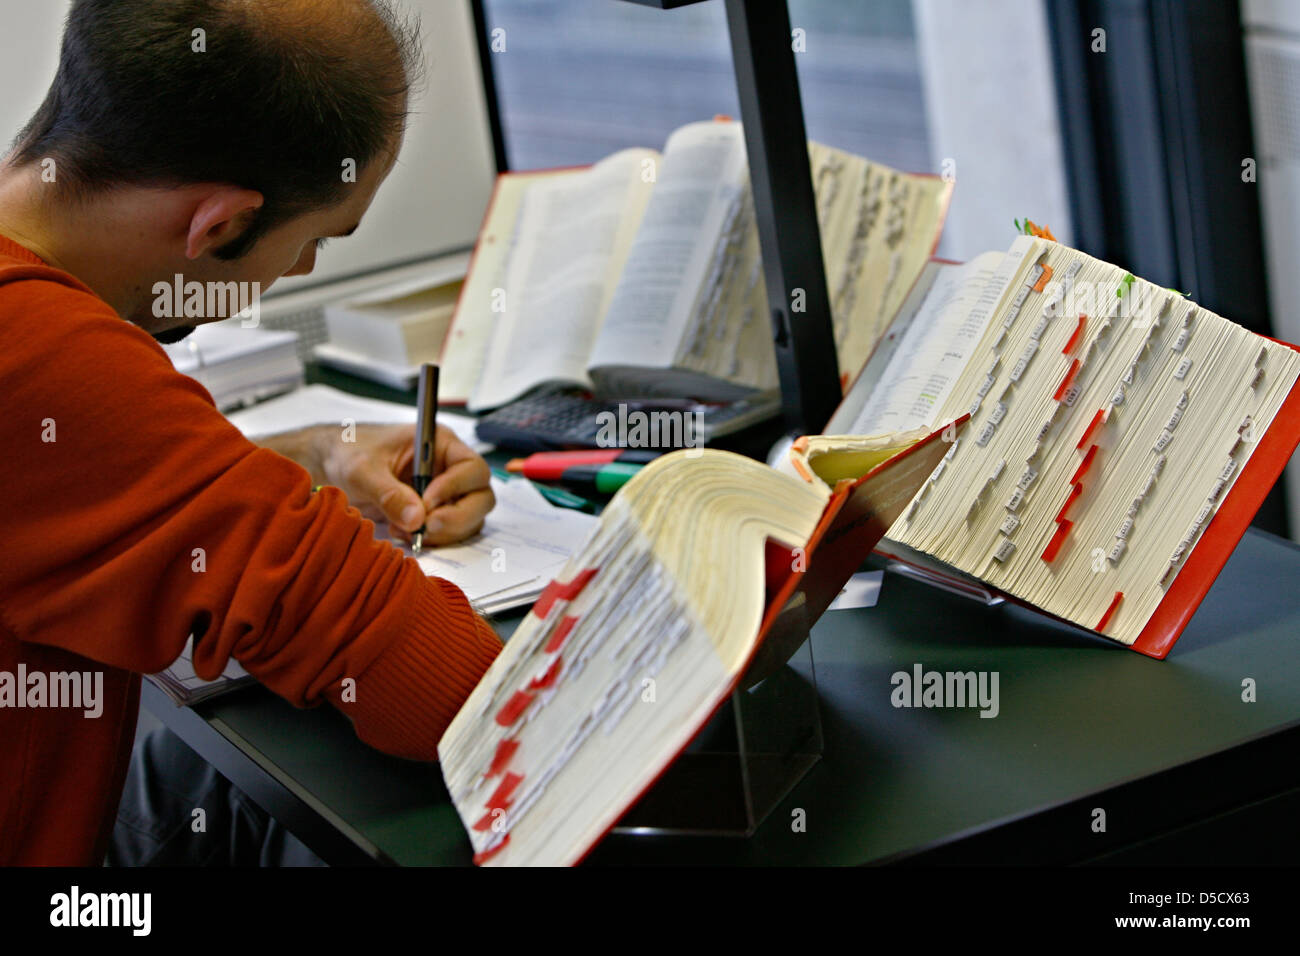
(426, 430)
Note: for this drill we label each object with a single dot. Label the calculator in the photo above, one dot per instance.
(560, 418)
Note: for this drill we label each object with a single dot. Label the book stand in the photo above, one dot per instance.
(749, 756)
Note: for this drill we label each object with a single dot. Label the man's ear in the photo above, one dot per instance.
(220, 216)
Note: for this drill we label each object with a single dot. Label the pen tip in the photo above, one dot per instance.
(417, 543)
(515, 466)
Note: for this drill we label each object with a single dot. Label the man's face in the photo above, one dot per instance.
(289, 249)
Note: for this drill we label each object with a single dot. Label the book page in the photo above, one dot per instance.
(936, 346)
(700, 188)
(573, 235)
(879, 227)
(466, 346)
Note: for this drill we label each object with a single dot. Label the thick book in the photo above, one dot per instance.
(689, 583)
(1122, 437)
(641, 275)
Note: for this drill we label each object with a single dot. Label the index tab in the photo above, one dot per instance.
(505, 752)
(515, 706)
(1073, 342)
(1054, 546)
(562, 591)
(491, 851)
(1066, 381)
(500, 798)
(1110, 611)
(1044, 274)
(1092, 427)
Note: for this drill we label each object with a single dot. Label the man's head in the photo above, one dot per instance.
(219, 139)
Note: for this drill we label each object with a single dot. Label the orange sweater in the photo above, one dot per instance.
(116, 468)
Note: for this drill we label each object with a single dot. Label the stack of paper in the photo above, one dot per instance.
(239, 365)
(524, 544)
(184, 687)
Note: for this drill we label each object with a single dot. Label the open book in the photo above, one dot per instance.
(1122, 437)
(641, 275)
(701, 562)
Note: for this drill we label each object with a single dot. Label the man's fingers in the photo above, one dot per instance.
(375, 484)
(459, 479)
(459, 519)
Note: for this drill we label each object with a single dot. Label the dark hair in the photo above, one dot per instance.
(283, 94)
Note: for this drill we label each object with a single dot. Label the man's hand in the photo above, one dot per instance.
(375, 473)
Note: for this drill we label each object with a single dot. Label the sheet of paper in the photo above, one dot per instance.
(525, 540)
(323, 405)
(862, 590)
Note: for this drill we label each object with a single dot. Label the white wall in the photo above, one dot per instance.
(991, 103)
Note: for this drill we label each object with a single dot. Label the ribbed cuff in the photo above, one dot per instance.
(408, 696)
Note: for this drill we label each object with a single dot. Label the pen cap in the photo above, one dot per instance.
(426, 426)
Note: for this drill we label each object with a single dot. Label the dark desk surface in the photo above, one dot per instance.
(1083, 724)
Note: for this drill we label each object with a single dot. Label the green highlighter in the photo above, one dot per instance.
(599, 479)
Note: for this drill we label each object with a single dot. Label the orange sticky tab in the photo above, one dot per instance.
(1041, 284)
(1110, 611)
(515, 706)
(1075, 491)
(800, 443)
(1058, 539)
(800, 467)
(561, 632)
(505, 751)
(481, 858)
(500, 798)
(557, 591)
(1065, 382)
(1092, 427)
(547, 679)
(1078, 334)
(1084, 465)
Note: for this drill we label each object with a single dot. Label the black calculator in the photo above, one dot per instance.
(561, 418)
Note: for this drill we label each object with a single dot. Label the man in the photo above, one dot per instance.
(210, 138)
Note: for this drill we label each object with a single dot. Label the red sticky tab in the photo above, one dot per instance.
(1058, 539)
(485, 823)
(514, 707)
(561, 632)
(1092, 427)
(1078, 334)
(1084, 465)
(1065, 382)
(1110, 611)
(1041, 284)
(505, 751)
(548, 678)
(1075, 491)
(500, 798)
(481, 858)
(557, 591)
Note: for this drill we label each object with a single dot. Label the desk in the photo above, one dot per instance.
(1184, 769)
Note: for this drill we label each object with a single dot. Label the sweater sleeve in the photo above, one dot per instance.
(135, 515)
